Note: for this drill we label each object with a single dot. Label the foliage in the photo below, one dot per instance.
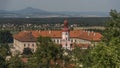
(108, 52)
(27, 51)
(80, 57)
(2, 62)
(5, 37)
(46, 51)
(112, 27)
(15, 62)
(105, 56)
(4, 51)
(83, 21)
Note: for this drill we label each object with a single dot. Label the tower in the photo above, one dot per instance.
(66, 36)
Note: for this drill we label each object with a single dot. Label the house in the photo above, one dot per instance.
(64, 37)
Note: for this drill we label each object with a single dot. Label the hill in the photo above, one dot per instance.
(30, 12)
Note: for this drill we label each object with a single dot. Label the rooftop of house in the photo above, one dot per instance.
(31, 36)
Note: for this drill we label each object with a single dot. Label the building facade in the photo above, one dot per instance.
(65, 37)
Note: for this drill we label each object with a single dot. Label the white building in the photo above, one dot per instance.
(65, 37)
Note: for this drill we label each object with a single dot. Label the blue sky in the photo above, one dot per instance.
(62, 5)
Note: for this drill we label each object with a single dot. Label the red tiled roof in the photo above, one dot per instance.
(32, 35)
(52, 34)
(25, 37)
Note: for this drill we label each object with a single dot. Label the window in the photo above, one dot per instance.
(75, 40)
(32, 45)
(53, 40)
(66, 33)
(66, 44)
(24, 45)
(66, 38)
(71, 45)
(28, 45)
(71, 40)
(57, 41)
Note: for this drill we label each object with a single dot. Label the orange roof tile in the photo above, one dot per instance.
(25, 37)
(32, 35)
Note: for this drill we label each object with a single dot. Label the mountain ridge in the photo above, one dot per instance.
(37, 13)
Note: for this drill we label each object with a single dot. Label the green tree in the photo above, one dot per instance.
(2, 62)
(80, 57)
(15, 62)
(3, 54)
(6, 37)
(112, 27)
(106, 54)
(46, 51)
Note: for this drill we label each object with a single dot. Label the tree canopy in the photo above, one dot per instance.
(46, 51)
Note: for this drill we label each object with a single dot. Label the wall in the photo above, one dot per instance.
(21, 45)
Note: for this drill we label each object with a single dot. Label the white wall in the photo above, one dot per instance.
(21, 45)
(78, 41)
(56, 40)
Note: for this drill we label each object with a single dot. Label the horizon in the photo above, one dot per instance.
(51, 11)
(62, 5)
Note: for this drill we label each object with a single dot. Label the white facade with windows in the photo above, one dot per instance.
(21, 45)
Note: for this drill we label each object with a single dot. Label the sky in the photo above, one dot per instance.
(62, 5)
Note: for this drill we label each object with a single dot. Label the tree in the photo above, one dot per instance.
(80, 56)
(106, 54)
(27, 51)
(2, 62)
(6, 37)
(3, 54)
(46, 51)
(112, 27)
(15, 62)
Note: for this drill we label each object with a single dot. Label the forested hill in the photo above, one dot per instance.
(83, 21)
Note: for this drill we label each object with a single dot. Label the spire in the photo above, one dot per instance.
(65, 28)
(65, 24)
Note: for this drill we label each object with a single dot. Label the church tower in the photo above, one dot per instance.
(66, 36)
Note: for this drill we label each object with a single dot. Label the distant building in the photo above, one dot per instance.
(65, 37)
